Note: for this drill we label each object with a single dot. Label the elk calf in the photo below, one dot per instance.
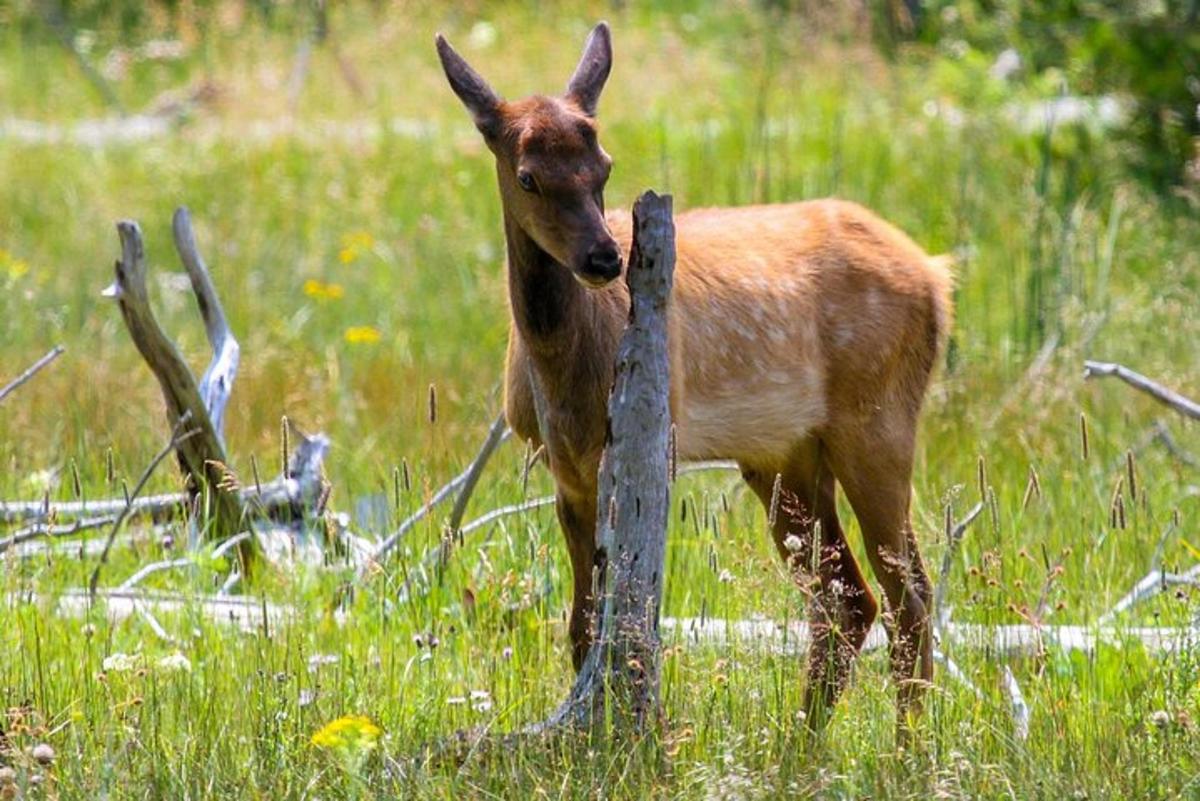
(802, 339)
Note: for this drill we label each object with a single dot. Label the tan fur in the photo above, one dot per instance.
(802, 339)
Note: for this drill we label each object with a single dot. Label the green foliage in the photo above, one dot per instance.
(1146, 51)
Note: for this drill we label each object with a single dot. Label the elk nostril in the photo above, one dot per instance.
(606, 264)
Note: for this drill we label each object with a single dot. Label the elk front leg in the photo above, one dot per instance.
(577, 515)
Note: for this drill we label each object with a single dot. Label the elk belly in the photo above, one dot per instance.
(755, 417)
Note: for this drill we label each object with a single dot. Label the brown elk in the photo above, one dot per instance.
(802, 339)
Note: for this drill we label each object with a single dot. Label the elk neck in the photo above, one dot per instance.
(570, 332)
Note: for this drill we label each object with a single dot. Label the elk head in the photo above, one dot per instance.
(550, 166)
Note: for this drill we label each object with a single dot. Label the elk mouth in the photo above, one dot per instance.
(601, 268)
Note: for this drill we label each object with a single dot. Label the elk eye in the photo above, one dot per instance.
(525, 179)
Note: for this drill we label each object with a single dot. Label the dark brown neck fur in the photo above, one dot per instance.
(570, 334)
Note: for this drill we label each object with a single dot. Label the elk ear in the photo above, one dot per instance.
(594, 66)
(471, 88)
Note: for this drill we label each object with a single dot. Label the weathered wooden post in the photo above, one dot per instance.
(621, 671)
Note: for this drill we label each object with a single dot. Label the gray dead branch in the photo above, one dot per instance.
(30, 372)
(1020, 709)
(280, 512)
(1181, 404)
(202, 457)
(464, 484)
(43, 530)
(954, 537)
(436, 558)
(244, 613)
(619, 679)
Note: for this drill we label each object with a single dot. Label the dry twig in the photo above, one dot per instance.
(30, 372)
(1181, 404)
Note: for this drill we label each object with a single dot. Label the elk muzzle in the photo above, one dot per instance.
(601, 266)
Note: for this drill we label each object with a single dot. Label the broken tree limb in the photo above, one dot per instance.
(42, 530)
(619, 679)
(297, 494)
(217, 381)
(464, 483)
(160, 507)
(439, 555)
(1181, 404)
(30, 372)
(178, 437)
(941, 611)
(1020, 709)
(202, 457)
(496, 434)
(1152, 584)
(281, 499)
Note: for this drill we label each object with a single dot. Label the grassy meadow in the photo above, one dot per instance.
(355, 239)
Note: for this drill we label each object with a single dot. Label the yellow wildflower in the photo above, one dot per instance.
(348, 733)
(362, 335)
(322, 291)
(354, 244)
(11, 266)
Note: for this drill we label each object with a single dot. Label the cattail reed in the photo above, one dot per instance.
(1131, 475)
(254, 473)
(110, 470)
(1083, 435)
(981, 477)
(773, 512)
(993, 510)
(1116, 505)
(433, 403)
(76, 484)
(405, 476)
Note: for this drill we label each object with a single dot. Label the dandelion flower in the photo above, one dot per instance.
(348, 733)
(319, 290)
(354, 244)
(362, 335)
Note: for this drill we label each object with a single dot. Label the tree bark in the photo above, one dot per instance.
(620, 676)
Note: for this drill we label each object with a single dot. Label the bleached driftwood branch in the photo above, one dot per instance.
(996, 641)
(178, 437)
(30, 372)
(160, 507)
(1020, 709)
(463, 483)
(1181, 404)
(217, 381)
(43, 530)
(954, 537)
(287, 497)
(1152, 584)
(439, 555)
(202, 457)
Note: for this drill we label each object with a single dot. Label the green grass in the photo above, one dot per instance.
(716, 107)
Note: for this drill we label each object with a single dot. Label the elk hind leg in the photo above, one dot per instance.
(874, 466)
(809, 538)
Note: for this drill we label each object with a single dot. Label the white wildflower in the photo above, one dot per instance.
(175, 662)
